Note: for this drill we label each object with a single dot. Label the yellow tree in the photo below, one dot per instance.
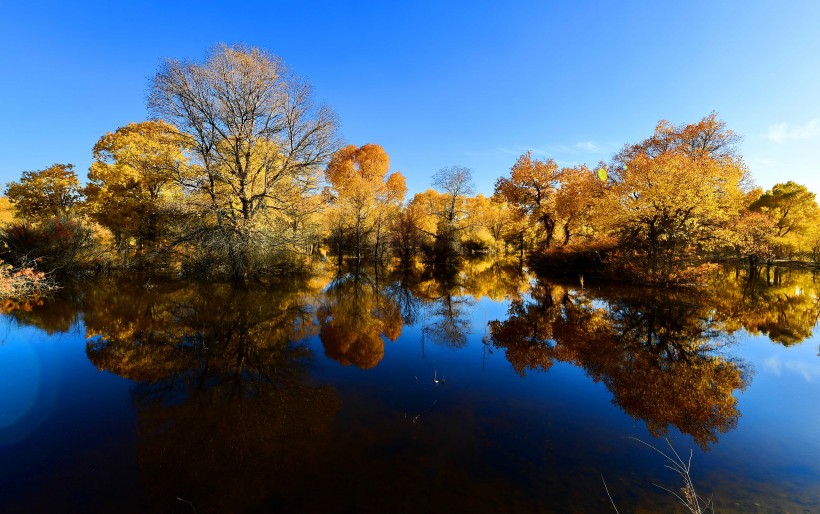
(134, 183)
(427, 210)
(677, 193)
(476, 237)
(388, 205)
(364, 195)
(259, 143)
(531, 187)
(408, 231)
(49, 193)
(575, 200)
(794, 211)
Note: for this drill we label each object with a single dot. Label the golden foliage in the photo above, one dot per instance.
(364, 199)
(48, 193)
(135, 184)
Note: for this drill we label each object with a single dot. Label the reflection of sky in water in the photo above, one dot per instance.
(20, 374)
(799, 361)
(28, 372)
(778, 366)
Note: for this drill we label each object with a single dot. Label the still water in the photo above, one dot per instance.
(491, 391)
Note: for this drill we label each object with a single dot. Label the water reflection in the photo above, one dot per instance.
(658, 352)
(53, 316)
(783, 304)
(354, 313)
(223, 394)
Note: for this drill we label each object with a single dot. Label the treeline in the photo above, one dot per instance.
(240, 174)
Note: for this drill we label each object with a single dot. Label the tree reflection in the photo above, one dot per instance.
(223, 396)
(497, 280)
(783, 304)
(354, 313)
(658, 352)
(57, 314)
(450, 307)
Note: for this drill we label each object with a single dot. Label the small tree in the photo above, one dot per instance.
(454, 183)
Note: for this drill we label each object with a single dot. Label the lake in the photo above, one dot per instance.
(493, 390)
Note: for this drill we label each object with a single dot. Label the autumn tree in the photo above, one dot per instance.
(49, 233)
(754, 236)
(388, 204)
(454, 184)
(676, 193)
(485, 224)
(49, 193)
(408, 236)
(531, 188)
(709, 136)
(134, 186)
(579, 189)
(364, 196)
(259, 143)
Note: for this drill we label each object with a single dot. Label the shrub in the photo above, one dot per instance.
(56, 245)
(24, 283)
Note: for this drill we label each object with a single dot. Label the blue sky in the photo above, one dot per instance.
(437, 84)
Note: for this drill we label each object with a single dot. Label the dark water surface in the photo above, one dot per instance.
(494, 391)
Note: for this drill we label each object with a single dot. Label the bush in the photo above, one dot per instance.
(23, 283)
(56, 245)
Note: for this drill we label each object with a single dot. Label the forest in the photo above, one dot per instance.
(239, 174)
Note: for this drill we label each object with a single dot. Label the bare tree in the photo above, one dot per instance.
(255, 133)
(455, 182)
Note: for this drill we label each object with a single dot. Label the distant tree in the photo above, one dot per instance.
(49, 193)
(484, 224)
(754, 236)
(454, 184)
(408, 232)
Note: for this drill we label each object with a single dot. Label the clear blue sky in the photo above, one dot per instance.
(473, 83)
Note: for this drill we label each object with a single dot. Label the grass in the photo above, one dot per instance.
(686, 494)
